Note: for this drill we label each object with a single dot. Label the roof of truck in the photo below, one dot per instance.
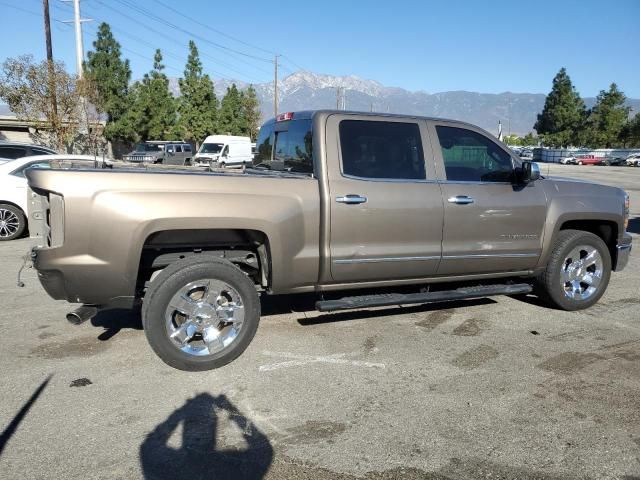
(308, 114)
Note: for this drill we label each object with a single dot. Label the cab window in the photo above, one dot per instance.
(471, 157)
(286, 146)
(382, 150)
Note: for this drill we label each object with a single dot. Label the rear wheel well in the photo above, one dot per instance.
(247, 249)
(606, 230)
(6, 202)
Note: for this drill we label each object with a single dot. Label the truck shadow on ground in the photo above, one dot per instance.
(206, 422)
(303, 303)
(116, 319)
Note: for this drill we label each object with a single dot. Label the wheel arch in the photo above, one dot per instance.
(246, 248)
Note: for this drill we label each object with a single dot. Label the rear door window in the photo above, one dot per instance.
(382, 150)
(471, 157)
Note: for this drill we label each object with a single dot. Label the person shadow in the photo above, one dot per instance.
(204, 420)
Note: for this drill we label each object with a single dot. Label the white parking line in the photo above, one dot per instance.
(299, 360)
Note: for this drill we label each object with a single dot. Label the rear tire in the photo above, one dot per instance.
(200, 313)
(12, 222)
(578, 271)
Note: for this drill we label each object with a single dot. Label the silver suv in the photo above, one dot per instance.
(167, 153)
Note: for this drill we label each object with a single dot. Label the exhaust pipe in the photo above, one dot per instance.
(82, 314)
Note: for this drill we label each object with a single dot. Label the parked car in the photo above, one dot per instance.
(161, 152)
(13, 187)
(335, 201)
(13, 150)
(568, 160)
(615, 161)
(526, 154)
(224, 151)
(589, 160)
(633, 160)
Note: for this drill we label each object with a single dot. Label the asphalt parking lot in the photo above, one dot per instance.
(500, 389)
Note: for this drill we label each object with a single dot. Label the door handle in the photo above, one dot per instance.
(460, 200)
(351, 199)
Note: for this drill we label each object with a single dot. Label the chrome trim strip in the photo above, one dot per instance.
(624, 247)
(383, 259)
(492, 255)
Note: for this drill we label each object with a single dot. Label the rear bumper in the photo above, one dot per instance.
(623, 251)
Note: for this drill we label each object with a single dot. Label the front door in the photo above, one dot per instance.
(491, 224)
(385, 205)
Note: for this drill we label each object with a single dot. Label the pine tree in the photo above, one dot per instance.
(563, 115)
(154, 110)
(230, 116)
(198, 104)
(251, 112)
(607, 118)
(111, 75)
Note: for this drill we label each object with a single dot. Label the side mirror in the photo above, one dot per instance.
(529, 172)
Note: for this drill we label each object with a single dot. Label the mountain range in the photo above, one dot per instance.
(305, 90)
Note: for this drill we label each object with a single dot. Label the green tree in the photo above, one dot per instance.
(630, 133)
(111, 76)
(607, 118)
(251, 112)
(26, 87)
(562, 118)
(197, 104)
(529, 139)
(153, 114)
(231, 119)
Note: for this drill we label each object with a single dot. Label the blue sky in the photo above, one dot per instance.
(491, 46)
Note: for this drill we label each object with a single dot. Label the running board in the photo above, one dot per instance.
(389, 299)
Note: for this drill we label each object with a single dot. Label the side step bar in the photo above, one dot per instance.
(389, 299)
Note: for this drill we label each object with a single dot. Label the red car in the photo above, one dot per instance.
(589, 160)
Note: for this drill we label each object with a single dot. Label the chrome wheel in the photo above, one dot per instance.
(204, 317)
(9, 223)
(581, 272)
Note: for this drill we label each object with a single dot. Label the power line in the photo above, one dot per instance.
(187, 32)
(208, 27)
(163, 35)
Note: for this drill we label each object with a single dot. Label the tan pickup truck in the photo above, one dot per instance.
(334, 201)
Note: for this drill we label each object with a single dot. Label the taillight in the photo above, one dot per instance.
(626, 210)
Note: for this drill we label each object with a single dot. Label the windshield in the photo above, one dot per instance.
(286, 146)
(211, 148)
(147, 147)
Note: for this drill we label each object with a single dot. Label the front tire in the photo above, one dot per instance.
(200, 313)
(578, 271)
(12, 222)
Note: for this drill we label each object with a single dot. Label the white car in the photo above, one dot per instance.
(568, 161)
(633, 160)
(13, 187)
(224, 151)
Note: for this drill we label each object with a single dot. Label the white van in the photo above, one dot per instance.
(224, 151)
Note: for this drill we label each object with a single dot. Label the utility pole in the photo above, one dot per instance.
(50, 66)
(275, 85)
(337, 98)
(78, 21)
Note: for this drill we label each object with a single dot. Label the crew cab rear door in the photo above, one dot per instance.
(491, 223)
(386, 208)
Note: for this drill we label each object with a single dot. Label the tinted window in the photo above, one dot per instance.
(471, 157)
(13, 152)
(372, 149)
(289, 147)
(179, 148)
(187, 148)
